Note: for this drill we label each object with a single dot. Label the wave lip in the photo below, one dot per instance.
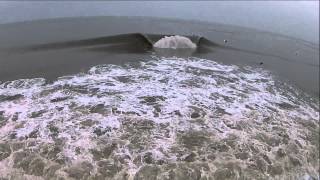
(175, 42)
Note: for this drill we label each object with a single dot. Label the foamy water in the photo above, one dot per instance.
(175, 42)
(164, 116)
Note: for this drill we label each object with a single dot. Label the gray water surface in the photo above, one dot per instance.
(299, 19)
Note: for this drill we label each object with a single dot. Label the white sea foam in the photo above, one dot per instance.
(175, 42)
(108, 96)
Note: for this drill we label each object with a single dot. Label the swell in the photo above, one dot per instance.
(139, 43)
(113, 43)
(122, 41)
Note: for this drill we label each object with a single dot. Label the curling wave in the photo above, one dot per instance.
(175, 42)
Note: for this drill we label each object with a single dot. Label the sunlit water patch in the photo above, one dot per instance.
(165, 118)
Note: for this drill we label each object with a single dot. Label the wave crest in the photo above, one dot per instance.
(175, 42)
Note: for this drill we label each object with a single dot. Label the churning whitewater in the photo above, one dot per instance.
(175, 42)
(161, 118)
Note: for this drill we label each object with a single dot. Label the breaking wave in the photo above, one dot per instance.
(175, 42)
(163, 118)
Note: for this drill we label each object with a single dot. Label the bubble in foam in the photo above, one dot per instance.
(175, 42)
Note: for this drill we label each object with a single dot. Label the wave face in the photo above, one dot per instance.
(165, 118)
(175, 42)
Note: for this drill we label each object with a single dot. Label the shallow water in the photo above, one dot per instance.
(159, 118)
